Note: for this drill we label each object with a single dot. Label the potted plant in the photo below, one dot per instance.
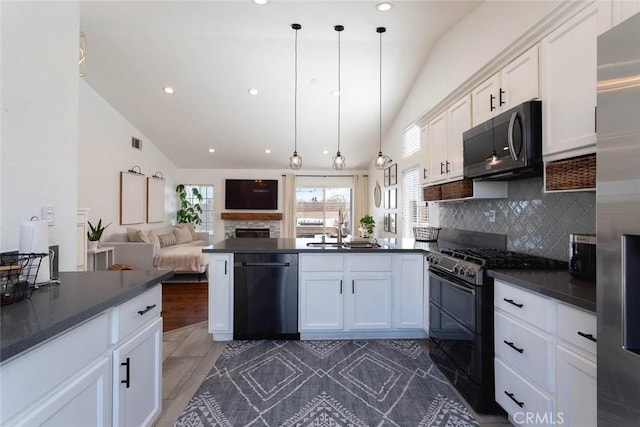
(367, 225)
(95, 234)
(189, 211)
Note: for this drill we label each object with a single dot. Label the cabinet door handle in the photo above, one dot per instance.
(491, 98)
(510, 344)
(441, 168)
(595, 119)
(341, 286)
(590, 337)
(448, 163)
(225, 267)
(501, 101)
(511, 396)
(512, 302)
(149, 308)
(353, 286)
(424, 174)
(126, 381)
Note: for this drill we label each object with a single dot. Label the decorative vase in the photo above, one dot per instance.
(92, 245)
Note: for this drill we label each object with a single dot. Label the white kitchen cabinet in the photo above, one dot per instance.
(221, 296)
(424, 155)
(408, 284)
(568, 83)
(321, 301)
(65, 380)
(82, 216)
(137, 360)
(513, 85)
(370, 301)
(425, 297)
(444, 142)
(137, 377)
(576, 378)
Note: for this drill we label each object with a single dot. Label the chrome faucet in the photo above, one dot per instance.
(340, 221)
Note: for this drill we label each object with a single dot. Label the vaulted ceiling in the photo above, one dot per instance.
(212, 52)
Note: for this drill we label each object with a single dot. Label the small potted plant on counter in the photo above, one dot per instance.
(94, 234)
(367, 225)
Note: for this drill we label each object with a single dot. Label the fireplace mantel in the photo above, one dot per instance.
(252, 216)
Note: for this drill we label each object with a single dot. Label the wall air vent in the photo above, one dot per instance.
(136, 143)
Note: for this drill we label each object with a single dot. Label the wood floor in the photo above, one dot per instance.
(184, 304)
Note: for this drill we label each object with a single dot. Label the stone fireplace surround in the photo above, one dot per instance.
(231, 225)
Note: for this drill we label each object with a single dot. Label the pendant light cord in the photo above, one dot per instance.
(380, 121)
(295, 101)
(339, 89)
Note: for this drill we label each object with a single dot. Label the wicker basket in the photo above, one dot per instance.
(425, 234)
(457, 190)
(571, 174)
(432, 193)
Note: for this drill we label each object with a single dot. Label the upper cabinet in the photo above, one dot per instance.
(442, 148)
(623, 9)
(568, 83)
(513, 85)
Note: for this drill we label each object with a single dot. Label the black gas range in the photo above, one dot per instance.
(461, 314)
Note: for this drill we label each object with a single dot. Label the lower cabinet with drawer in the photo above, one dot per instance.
(545, 365)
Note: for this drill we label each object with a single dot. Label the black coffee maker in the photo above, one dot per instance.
(582, 256)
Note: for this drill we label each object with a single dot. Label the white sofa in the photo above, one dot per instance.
(181, 256)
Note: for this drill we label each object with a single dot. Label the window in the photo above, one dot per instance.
(317, 208)
(207, 205)
(414, 210)
(410, 141)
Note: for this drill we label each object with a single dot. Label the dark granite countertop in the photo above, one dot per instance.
(270, 245)
(53, 309)
(557, 284)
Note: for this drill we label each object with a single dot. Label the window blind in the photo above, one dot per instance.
(414, 210)
(411, 141)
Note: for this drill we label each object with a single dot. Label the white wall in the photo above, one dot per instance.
(104, 151)
(39, 135)
(474, 41)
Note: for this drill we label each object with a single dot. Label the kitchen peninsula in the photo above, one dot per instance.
(63, 348)
(342, 292)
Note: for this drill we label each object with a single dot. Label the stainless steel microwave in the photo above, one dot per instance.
(508, 146)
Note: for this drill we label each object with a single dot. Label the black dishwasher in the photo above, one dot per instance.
(265, 298)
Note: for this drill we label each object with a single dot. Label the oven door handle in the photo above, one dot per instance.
(454, 284)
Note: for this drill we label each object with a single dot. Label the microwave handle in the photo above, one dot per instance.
(512, 149)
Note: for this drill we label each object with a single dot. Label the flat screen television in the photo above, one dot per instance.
(251, 194)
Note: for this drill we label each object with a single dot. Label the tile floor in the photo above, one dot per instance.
(189, 353)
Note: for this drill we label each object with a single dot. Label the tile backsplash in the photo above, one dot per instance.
(534, 222)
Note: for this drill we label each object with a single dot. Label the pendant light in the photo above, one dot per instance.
(339, 160)
(381, 161)
(295, 161)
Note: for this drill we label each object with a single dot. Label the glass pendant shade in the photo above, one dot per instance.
(381, 161)
(339, 161)
(295, 161)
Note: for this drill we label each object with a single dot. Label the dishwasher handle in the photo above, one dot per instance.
(266, 264)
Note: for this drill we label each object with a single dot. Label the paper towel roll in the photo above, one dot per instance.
(34, 238)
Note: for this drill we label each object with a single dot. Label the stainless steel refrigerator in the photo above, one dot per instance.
(618, 225)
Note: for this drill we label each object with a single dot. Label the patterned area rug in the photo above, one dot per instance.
(325, 383)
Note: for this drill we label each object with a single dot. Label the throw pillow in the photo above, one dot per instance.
(167, 238)
(183, 235)
(153, 238)
(132, 234)
(192, 229)
(143, 236)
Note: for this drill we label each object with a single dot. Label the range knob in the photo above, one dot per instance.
(457, 269)
(470, 273)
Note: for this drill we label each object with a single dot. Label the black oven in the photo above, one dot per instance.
(462, 337)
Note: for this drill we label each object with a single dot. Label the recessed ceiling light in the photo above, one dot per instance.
(267, 151)
(384, 6)
(260, 1)
(168, 89)
(211, 150)
(325, 151)
(335, 92)
(253, 91)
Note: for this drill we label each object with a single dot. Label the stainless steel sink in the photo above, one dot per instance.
(362, 246)
(326, 245)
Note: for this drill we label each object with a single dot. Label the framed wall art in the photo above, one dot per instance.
(392, 223)
(132, 198)
(387, 173)
(386, 222)
(393, 174)
(393, 198)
